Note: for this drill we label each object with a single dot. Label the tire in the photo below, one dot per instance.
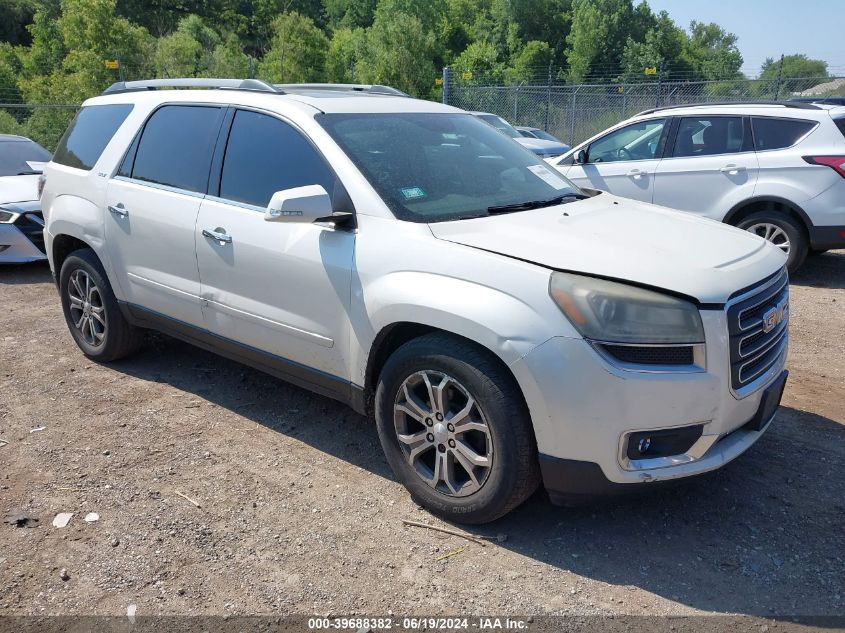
(465, 371)
(91, 311)
(761, 223)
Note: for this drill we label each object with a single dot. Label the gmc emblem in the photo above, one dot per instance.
(774, 316)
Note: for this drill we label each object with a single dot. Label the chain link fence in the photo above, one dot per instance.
(575, 112)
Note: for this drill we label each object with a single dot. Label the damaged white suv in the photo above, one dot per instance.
(502, 325)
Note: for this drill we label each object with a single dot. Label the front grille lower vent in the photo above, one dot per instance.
(645, 355)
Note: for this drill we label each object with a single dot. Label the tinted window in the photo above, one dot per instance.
(431, 167)
(706, 136)
(265, 155)
(176, 145)
(840, 123)
(89, 133)
(633, 142)
(778, 133)
(15, 156)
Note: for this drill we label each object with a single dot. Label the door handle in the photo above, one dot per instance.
(636, 174)
(119, 209)
(732, 169)
(220, 236)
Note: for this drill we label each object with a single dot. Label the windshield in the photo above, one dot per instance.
(500, 124)
(545, 136)
(434, 167)
(15, 156)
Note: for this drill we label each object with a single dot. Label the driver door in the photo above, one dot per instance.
(624, 161)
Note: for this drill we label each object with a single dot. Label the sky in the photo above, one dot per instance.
(768, 28)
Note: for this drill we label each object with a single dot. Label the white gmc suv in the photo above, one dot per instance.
(775, 169)
(502, 325)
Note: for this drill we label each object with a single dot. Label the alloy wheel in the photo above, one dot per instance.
(773, 233)
(86, 307)
(443, 433)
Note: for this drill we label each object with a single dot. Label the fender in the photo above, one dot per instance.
(502, 323)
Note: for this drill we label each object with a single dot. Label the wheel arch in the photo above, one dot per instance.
(745, 208)
(392, 336)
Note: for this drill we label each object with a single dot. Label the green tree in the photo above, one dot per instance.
(15, 15)
(482, 60)
(349, 14)
(189, 52)
(534, 58)
(600, 29)
(711, 52)
(663, 44)
(796, 72)
(297, 52)
(345, 49)
(399, 52)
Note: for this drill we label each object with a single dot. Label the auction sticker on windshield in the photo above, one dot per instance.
(548, 177)
(413, 193)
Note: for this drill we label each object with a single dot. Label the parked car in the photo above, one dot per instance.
(542, 147)
(21, 223)
(499, 323)
(777, 170)
(535, 132)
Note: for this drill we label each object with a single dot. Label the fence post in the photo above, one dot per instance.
(777, 81)
(548, 97)
(447, 75)
(250, 68)
(659, 82)
(572, 117)
(515, 102)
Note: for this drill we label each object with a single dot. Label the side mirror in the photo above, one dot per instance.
(300, 204)
(581, 157)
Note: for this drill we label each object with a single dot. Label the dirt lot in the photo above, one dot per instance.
(300, 514)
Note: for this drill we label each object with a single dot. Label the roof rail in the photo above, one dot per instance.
(255, 85)
(366, 88)
(784, 104)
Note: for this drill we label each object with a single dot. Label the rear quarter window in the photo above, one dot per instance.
(840, 123)
(89, 133)
(778, 133)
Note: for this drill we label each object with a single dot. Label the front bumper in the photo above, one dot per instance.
(583, 408)
(16, 247)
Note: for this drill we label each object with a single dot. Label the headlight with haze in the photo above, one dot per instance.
(612, 312)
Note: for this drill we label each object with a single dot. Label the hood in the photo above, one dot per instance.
(542, 146)
(631, 241)
(18, 188)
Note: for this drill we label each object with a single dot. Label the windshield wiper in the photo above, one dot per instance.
(536, 204)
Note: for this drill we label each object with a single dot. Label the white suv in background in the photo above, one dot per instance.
(404, 257)
(775, 169)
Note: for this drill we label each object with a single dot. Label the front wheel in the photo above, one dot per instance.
(782, 231)
(455, 429)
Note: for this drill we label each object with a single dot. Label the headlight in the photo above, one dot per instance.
(8, 217)
(617, 313)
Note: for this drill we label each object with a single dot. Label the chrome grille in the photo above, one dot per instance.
(753, 349)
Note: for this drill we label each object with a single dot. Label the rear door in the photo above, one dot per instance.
(710, 166)
(153, 203)
(280, 288)
(624, 161)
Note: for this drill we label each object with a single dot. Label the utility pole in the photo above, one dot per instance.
(777, 81)
(447, 74)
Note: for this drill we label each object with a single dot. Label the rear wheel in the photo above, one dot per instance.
(782, 231)
(91, 311)
(455, 429)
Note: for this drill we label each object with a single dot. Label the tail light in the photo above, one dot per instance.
(41, 180)
(837, 163)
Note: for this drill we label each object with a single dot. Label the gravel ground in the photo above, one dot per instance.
(289, 507)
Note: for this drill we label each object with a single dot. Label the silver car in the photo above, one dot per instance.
(21, 223)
